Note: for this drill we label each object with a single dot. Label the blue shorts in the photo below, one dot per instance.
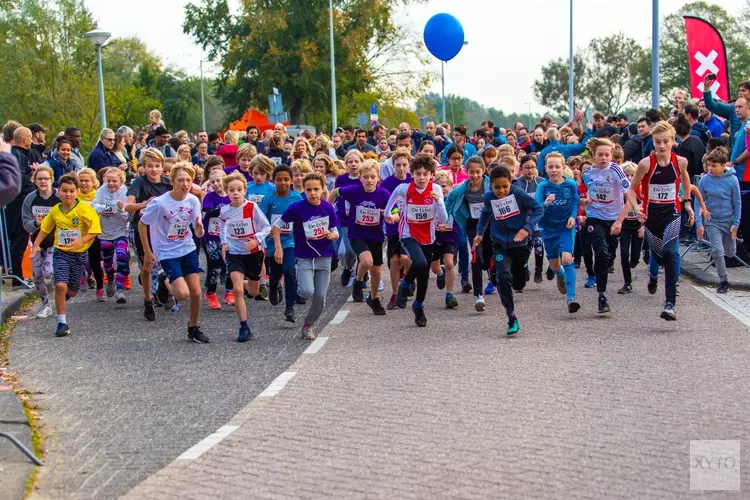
(180, 267)
(555, 243)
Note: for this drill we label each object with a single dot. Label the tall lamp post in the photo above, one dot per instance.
(334, 121)
(655, 55)
(99, 38)
(571, 97)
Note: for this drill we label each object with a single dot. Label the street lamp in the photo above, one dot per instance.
(571, 97)
(99, 38)
(529, 104)
(333, 70)
(655, 55)
(442, 78)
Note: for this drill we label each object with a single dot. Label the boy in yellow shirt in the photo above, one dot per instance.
(76, 224)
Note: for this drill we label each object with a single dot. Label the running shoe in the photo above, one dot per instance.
(450, 301)
(652, 285)
(120, 297)
(490, 288)
(92, 283)
(669, 313)
(381, 286)
(307, 333)
(513, 327)
(148, 310)
(62, 330)
(479, 303)
(289, 314)
(245, 334)
(440, 281)
(392, 304)
(357, 292)
(561, 287)
(611, 270)
(419, 318)
(550, 274)
(273, 295)
(723, 287)
(346, 274)
(403, 295)
(376, 306)
(45, 311)
(573, 306)
(100, 296)
(162, 292)
(411, 289)
(262, 293)
(229, 298)
(465, 286)
(111, 288)
(538, 276)
(129, 282)
(590, 282)
(213, 301)
(603, 305)
(626, 288)
(196, 335)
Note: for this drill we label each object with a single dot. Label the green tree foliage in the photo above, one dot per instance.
(551, 89)
(285, 44)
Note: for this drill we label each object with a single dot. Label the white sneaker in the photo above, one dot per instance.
(44, 311)
(120, 297)
(351, 281)
(479, 303)
(381, 286)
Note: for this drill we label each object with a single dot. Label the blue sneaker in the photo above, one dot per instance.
(245, 334)
(590, 282)
(62, 330)
(489, 289)
(402, 295)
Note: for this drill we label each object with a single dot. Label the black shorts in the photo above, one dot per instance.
(249, 265)
(439, 250)
(374, 247)
(394, 247)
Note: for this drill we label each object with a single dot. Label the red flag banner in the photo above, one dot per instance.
(706, 54)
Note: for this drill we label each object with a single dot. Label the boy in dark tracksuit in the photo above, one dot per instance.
(512, 215)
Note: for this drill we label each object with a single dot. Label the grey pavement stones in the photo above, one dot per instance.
(121, 397)
(695, 264)
(577, 406)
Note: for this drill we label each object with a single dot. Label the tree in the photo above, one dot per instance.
(674, 69)
(285, 44)
(551, 89)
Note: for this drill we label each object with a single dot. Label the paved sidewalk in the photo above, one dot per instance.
(580, 406)
(698, 266)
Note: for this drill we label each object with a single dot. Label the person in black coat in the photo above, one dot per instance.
(632, 146)
(690, 147)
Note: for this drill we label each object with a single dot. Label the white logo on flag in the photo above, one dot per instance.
(707, 66)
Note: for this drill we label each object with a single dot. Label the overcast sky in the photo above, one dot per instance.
(509, 41)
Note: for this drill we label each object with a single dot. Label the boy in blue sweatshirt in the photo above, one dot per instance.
(511, 215)
(721, 191)
(559, 196)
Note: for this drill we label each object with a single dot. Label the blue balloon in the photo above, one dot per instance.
(444, 36)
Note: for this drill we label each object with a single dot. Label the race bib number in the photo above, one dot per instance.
(277, 160)
(43, 211)
(366, 216)
(284, 227)
(109, 210)
(603, 194)
(255, 198)
(476, 209)
(420, 214)
(662, 193)
(214, 226)
(240, 229)
(505, 208)
(178, 230)
(66, 237)
(315, 229)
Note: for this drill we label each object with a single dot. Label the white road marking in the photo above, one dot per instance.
(727, 302)
(277, 385)
(340, 317)
(209, 442)
(316, 345)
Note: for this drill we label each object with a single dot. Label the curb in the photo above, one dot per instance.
(706, 278)
(11, 307)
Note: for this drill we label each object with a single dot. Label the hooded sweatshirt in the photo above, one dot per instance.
(114, 220)
(722, 197)
(509, 215)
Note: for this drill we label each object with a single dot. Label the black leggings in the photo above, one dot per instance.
(583, 249)
(421, 257)
(95, 261)
(604, 245)
(510, 273)
(483, 258)
(630, 251)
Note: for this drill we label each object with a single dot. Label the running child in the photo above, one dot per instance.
(631, 236)
(75, 224)
(606, 185)
(273, 207)
(35, 208)
(244, 157)
(721, 191)
(212, 203)
(167, 220)
(529, 181)
(88, 183)
(398, 261)
(559, 197)
(424, 208)
(445, 246)
(365, 229)
(313, 221)
(511, 215)
(243, 230)
(261, 185)
(300, 168)
(109, 203)
(347, 255)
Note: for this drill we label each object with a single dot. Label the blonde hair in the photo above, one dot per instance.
(231, 137)
(331, 168)
(303, 166)
(264, 164)
(181, 150)
(340, 166)
(554, 154)
(568, 173)
(308, 147)
(114, 170)
(44, 168)
(234, 176)
(246, 150)
(218, 171)
(401, 153)
(354, 152)
(181, 134)
(154, 114)
(506, 148)
(324, 141)
(444, 175)
(598, 142)
(91, 173)
(663, 128)
(152, 154)
(629, 168)
(370, 166)
(178, 167)
(508, 162)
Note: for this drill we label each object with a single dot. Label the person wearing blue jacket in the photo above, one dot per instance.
(102, 155)
(559, 196)
(566, 150)
(721, 192)
(724, 110)
(459, 138)
(511, 215)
